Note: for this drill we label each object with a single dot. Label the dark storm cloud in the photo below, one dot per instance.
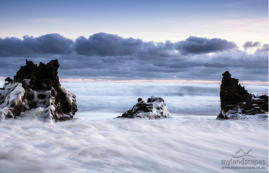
(102, 44)
(250, 44)
(198, 45)
(46, 44)
(107, 45)
(109, 56)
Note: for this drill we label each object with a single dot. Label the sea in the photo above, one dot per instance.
(192, 140)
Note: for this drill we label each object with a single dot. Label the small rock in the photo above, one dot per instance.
(154, 108)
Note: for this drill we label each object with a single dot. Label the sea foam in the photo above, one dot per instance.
(185, 144)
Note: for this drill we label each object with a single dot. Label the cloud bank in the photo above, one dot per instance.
(103, 44)
(197, 45)
(110, 56)
(46, 44)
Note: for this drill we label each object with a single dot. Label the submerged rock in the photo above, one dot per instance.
(154, 108)
(236, 101)
(36, 90)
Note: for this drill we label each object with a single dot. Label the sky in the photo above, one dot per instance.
(127, 39)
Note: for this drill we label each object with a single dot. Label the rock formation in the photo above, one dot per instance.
(236, 101)
(36, 90)
(154, 108)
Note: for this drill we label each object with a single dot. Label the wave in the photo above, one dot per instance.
(193, 99)
(191, 144)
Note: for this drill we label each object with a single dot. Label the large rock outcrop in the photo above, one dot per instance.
(154, 108)
(236, 101)
(36, 91)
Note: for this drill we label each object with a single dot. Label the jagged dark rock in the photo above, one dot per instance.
(235, 99)
(154, 108)
(36, 89)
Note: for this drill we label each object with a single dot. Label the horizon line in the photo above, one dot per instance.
(180, 81)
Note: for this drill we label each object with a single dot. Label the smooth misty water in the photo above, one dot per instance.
(191, 141)
(105, 100)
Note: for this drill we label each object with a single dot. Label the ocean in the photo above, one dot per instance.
(94, 141)
(109, 99)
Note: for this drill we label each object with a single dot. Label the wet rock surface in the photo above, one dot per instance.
(154, 108)
(236, 101)
(36, 91)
